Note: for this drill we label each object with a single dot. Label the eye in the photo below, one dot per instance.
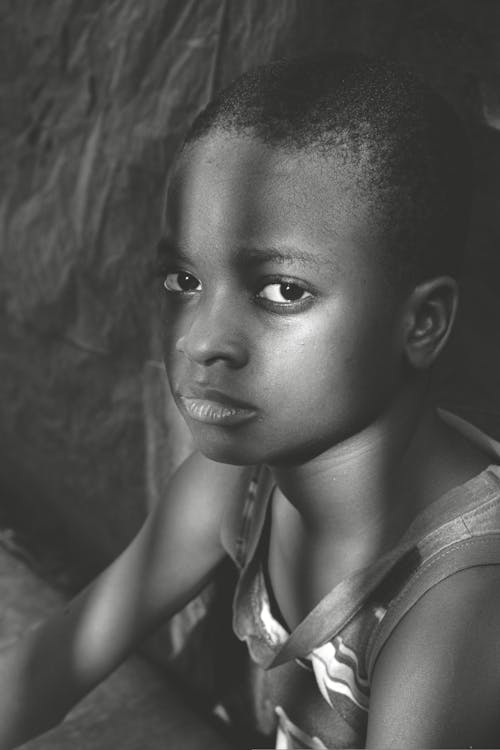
(182, 282)
(283, 293)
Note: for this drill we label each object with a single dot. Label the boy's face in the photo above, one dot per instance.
(282, 338)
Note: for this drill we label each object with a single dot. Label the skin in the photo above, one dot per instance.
(444, 690)
(336, 379)
(340, 416)
(318, 370)
(58, 662)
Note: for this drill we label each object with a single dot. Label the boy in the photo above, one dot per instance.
(315, 218)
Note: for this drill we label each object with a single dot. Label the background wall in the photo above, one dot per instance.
(96, 95)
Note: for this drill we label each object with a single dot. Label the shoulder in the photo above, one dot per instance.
(437, 679)
(180, 544)
(214, 478)
(203, 491)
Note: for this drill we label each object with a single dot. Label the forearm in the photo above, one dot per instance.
(54, 665)
(168, 562)
(33, 697)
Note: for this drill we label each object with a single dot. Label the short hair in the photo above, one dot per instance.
(409, 144)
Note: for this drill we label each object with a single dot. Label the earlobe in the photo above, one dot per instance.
(430, 314)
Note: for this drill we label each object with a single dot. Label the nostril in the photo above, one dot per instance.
(209, 348)
(212, 335)
(180, 344)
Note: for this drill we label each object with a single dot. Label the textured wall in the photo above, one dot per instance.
(95, 97)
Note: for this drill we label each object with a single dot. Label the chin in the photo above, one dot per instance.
(228, 450)
(227, 455)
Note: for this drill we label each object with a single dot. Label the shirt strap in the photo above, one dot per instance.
(466, 553)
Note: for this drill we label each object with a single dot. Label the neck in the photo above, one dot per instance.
(369, 487)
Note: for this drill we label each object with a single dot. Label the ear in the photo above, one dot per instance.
(430, 313)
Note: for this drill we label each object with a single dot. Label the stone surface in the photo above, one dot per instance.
(134, 709)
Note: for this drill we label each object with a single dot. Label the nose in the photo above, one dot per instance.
(214, 334)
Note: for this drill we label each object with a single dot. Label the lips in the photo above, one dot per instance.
(211, 406)
(206, 393)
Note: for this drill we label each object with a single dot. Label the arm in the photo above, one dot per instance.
(437, 680)
(55, 665)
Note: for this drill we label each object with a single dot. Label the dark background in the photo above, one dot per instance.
(95, 96)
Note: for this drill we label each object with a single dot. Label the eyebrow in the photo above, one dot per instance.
(285, 254)
(251, 256)
(165, 247)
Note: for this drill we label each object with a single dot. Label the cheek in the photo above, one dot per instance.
(340, 361)
(174, 323)
(171, 357)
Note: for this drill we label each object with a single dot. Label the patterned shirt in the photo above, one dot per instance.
(311, 688)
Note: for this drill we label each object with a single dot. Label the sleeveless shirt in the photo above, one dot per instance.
(311, 688)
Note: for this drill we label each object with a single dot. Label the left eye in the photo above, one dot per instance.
(283, 292)
(181, 281)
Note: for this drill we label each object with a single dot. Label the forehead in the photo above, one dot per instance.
(235, 189)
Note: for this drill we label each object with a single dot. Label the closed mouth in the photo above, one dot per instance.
(205, 393)
(210, 410)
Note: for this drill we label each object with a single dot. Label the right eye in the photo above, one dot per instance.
(182, 282)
